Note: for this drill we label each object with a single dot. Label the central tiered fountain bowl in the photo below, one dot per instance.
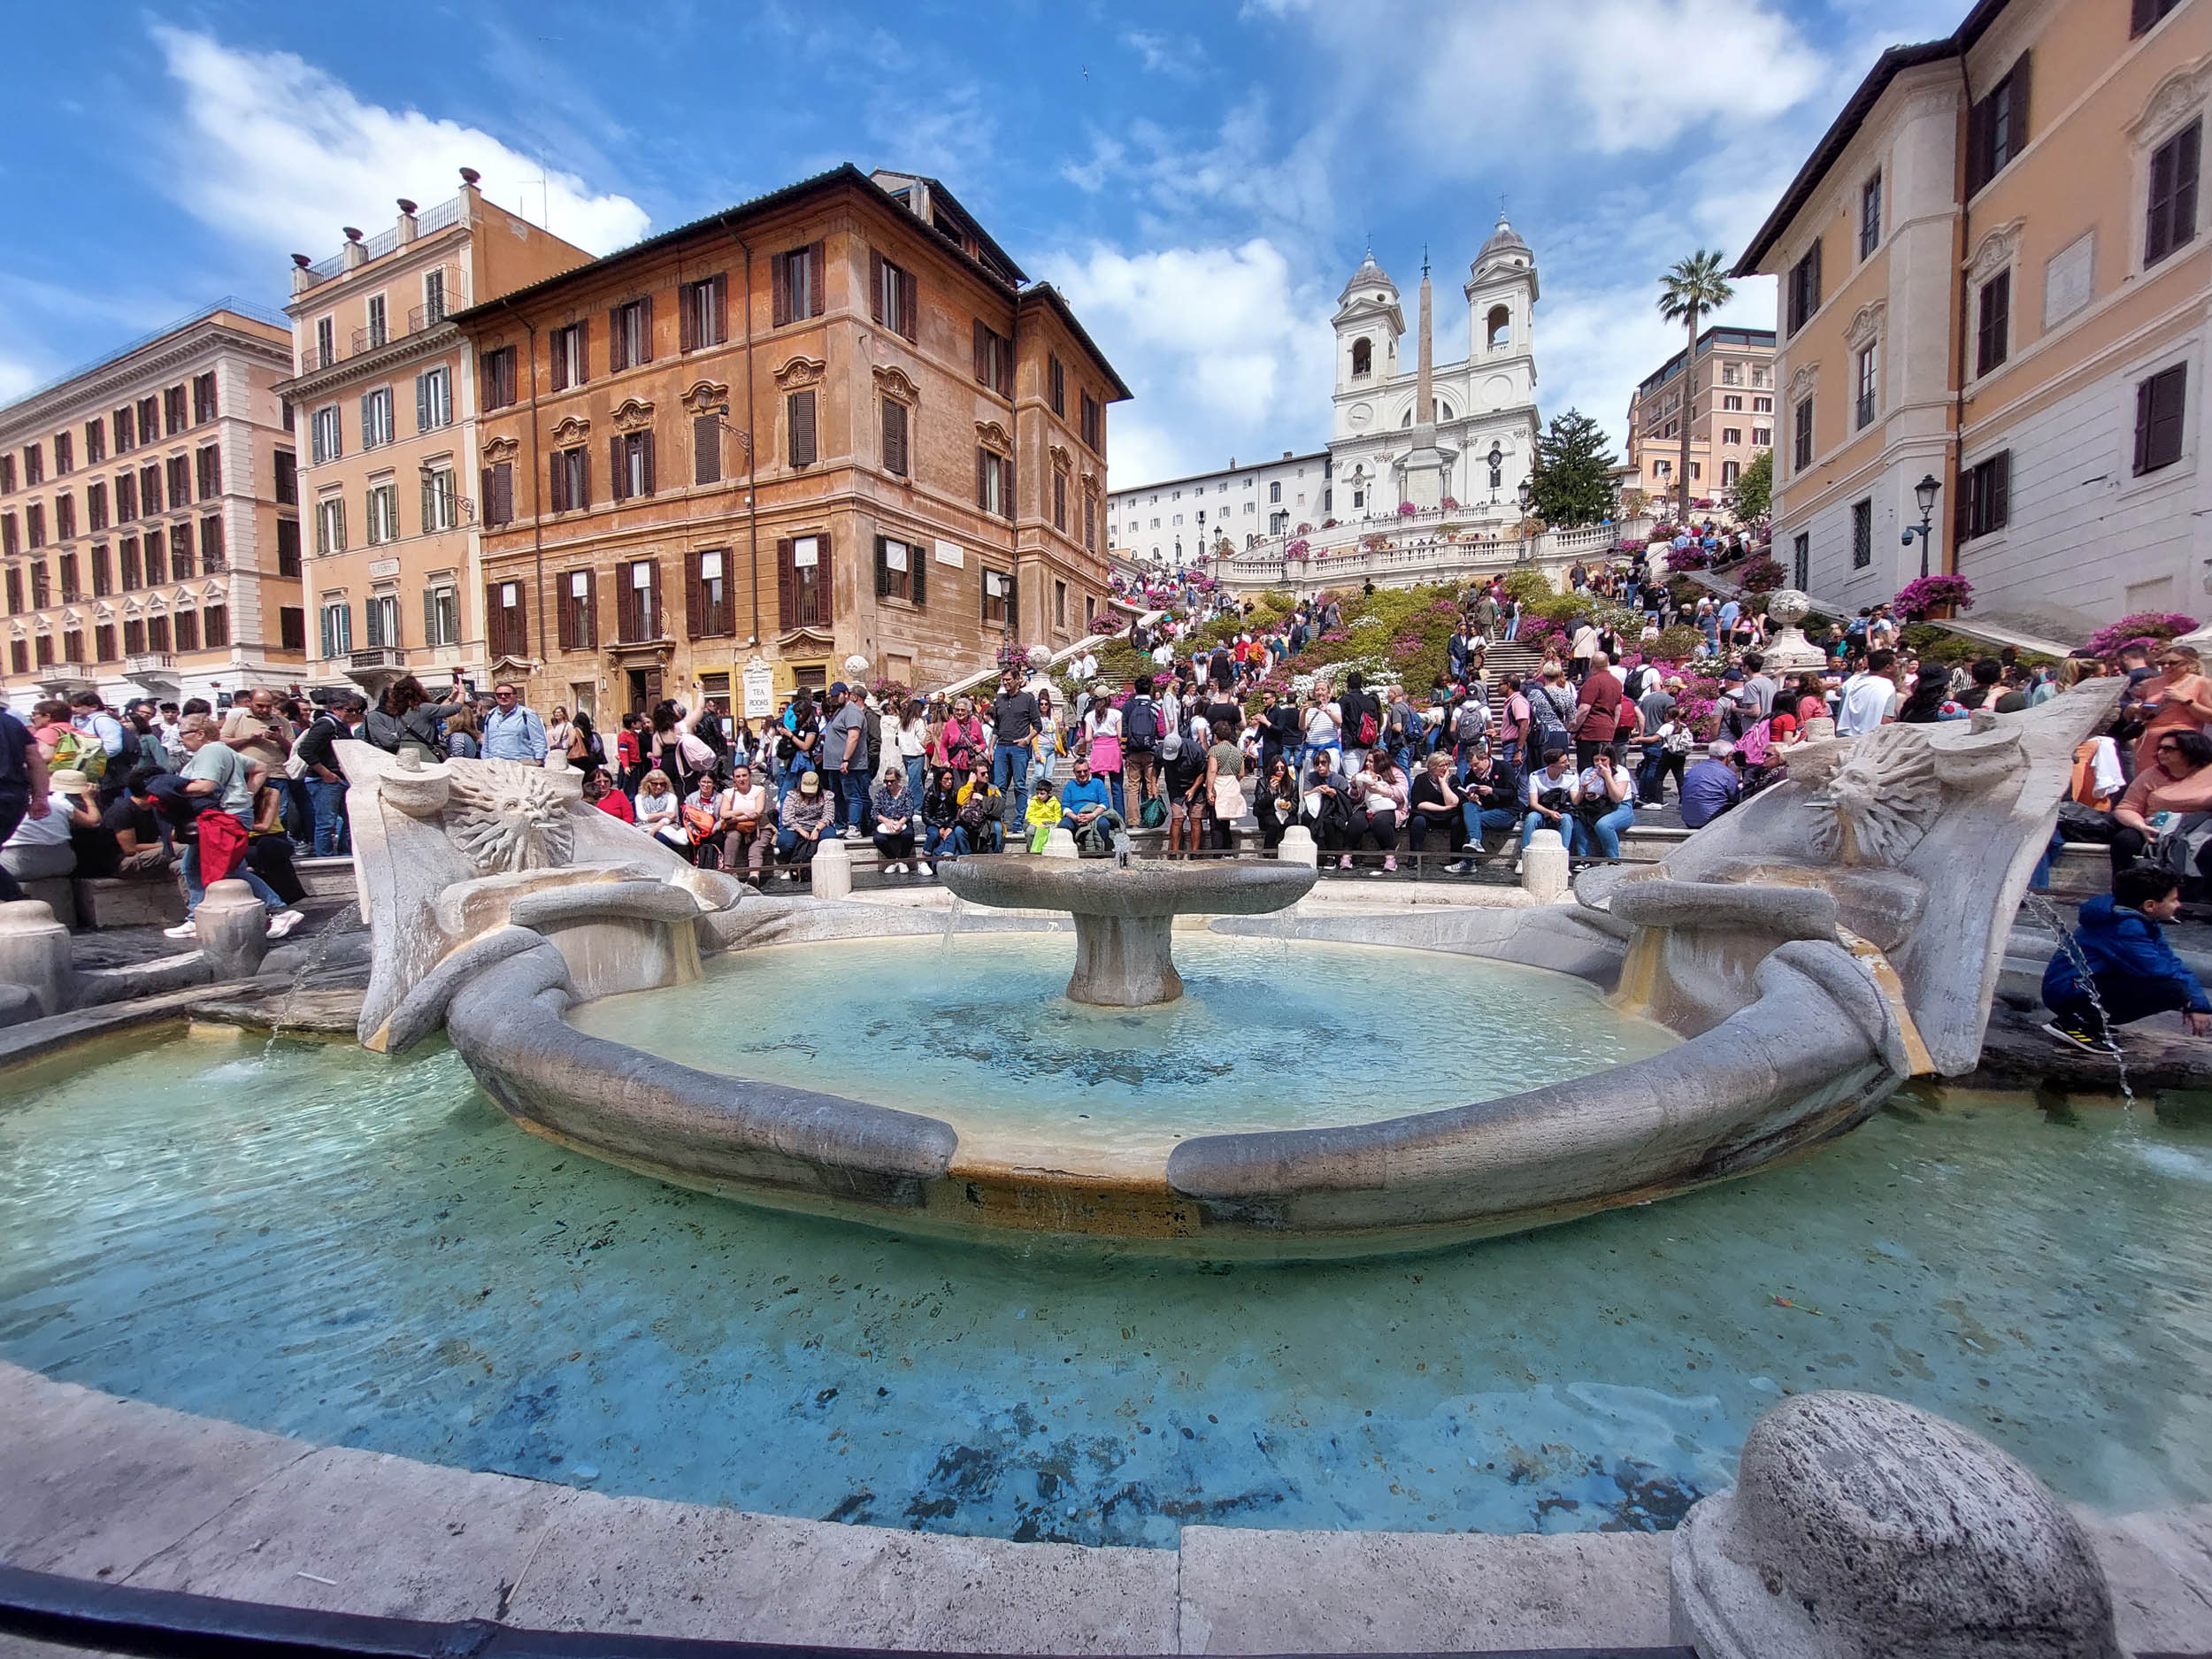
(1125, 911)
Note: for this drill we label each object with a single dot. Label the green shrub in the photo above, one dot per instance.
(1678, 643)
(1527, 585)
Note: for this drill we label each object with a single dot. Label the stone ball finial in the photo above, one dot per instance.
(855, 666)
(1863, 1528)
(1787, 607)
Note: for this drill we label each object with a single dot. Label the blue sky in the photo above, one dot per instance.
(1200, 179)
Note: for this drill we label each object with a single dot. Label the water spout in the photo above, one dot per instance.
(1121, 849)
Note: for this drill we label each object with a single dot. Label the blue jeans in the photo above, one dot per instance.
(1010, 774)
(326, 798)
(1602, 839)
(794, 848)
(1482, 820)
(852, 798)
(1536, 820)
(916, 770)
(945, 841)
(194, 891)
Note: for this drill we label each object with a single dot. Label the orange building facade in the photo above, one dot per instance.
(832, 423)
(1731, 415)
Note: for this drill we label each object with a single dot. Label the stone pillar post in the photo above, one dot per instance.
(1544, 874)
(233, 930)
(1061, 844)
(1864, 1525)
(1297, 847)
(35, 954)
(833, 869)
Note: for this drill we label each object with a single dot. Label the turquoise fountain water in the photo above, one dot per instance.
(309, 1240)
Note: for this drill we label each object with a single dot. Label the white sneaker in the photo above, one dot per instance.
(855, 835)
(283, 922)
(925, 868)
(185, 929)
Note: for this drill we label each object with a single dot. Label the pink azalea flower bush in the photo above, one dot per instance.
(1298, 549)
(2148, 627)
(1405, 509)
(1451, 503)
(1923, 593)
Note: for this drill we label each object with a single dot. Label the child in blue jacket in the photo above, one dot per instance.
(2133, 970)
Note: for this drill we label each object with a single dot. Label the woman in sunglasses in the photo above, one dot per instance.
(2178, 780)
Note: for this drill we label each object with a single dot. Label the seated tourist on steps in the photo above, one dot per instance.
(2133, 972)
(1089, 812)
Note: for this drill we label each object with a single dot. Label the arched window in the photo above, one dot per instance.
(1362, 356)
(1497, 477)
(1500, 326)
(1444, 410)
(1407, 421)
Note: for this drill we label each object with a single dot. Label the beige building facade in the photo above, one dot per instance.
(1731, 414)
(1993, 276)
(385, 400)
(148, 521)
(831, 423)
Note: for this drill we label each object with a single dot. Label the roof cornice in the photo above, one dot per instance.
(99, 384)
(394, 353)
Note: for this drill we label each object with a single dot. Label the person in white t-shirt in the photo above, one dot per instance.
(1867, 696)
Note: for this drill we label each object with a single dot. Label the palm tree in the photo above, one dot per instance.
(1696, 287)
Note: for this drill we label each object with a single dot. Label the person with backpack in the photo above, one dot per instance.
(1141, 730)
(1471, 729)
(1360, 719)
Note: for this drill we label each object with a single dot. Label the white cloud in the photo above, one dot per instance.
(1226, 354)
(281, 153)
(1178, 59)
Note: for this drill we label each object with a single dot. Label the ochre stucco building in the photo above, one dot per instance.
(830, 422)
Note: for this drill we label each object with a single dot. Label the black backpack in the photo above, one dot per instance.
(1142, 724)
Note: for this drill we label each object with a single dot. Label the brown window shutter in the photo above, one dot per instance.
(591, 610)
(910, 304)
(495, 629)
(783, 587)
(916, 572)
(556, 490)
(779, 290)
(720, 310)
(875, 284)
(883, 569)
(646, 470)
(504, 490)
(617, 474)
(982, 352)
(583, 477)
(817, 300)
(645, 330)
(693, 625)
(706, 449)
(565, 617)
(558, 374)
(519, 641)
(687, 315)
(1006, 485)
(822, 587)
(653, 598)
(799, 426)
(982, 476)
(616, 357)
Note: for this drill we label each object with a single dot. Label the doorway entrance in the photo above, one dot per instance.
(645, 690)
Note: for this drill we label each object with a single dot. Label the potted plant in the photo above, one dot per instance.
(1932, 598)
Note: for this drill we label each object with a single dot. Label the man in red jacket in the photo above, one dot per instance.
(1597, 715)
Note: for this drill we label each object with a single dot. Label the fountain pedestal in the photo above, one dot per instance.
(1125, 915)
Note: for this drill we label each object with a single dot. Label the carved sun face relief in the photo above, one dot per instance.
(504, 816)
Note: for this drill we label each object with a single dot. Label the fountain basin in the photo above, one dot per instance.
(1124, 913)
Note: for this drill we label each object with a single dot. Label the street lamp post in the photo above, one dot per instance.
(1924, 493)
(1526, 493)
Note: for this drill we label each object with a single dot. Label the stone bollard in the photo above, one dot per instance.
(35, 954)
(833, 869)
(1061, 844)
(233, 930)
(1544, 874)
(1863, 1526)
(1297, 846)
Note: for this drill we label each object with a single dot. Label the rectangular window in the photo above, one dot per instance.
(796, 279)
(126, 430)
(379, 330)
(507, 620)
(894, 455)
(1992, 338)
(65, 456)
(34, 523)
(287, 479)
(149, 420)
(103, 572)
(209, 465)
(64, 517)
(211, 557)
(899, 572)
(172, 407)
(570, 483)
(381, 521)
(42, 588)
(1866, 383)
(2159, 410)
(203, 397)
(1729, 471)
(704, 312)
(1804, 289)
(2144, 13)
(1059, 604)
(1732, 404)
(1862, 538)
(1090, 519)
(433, 297)
(707, 607)
(337, 629)
(998, 597)
(379, 621)
(15, 591)
(73, 645)
(180, 480)
(1997, 128)
(994, 359)
(326, 343)
(324, 443)
(1056, 385)
(96, 447)
(330, 525)
(181, 553)
(34, 467)
(70, 592)
(630, 334)
(1804, 434)
(1732, 374)
(157, 563)
(995, 483)
(43, 649)
(1731, 434)
(134, 570)
(576, 611)
(441, 616)
(1093, 424)
(803, 582)
(1988, 504)
(288, 547)
(497, 371)
(215, 627)
(1762, 405)
(133, 638)
(1060, 501)
(638, 601)
(291, 628)
(440, 499)
(706, 448)
(571, 349)
(798, 420)
(187, 624)
(2171, 221)
(433, 399)
(7, 473)
(894, 297)
(103, 642)
(632, 455)
(498, 494)
(376, 418)
(10, 544)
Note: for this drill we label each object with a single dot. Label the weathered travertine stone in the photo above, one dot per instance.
(832, 870)
(35, 954)
(233, 930)
(1544, 866)
(1865, 1528)
(1297, 847)
(1061, 844)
